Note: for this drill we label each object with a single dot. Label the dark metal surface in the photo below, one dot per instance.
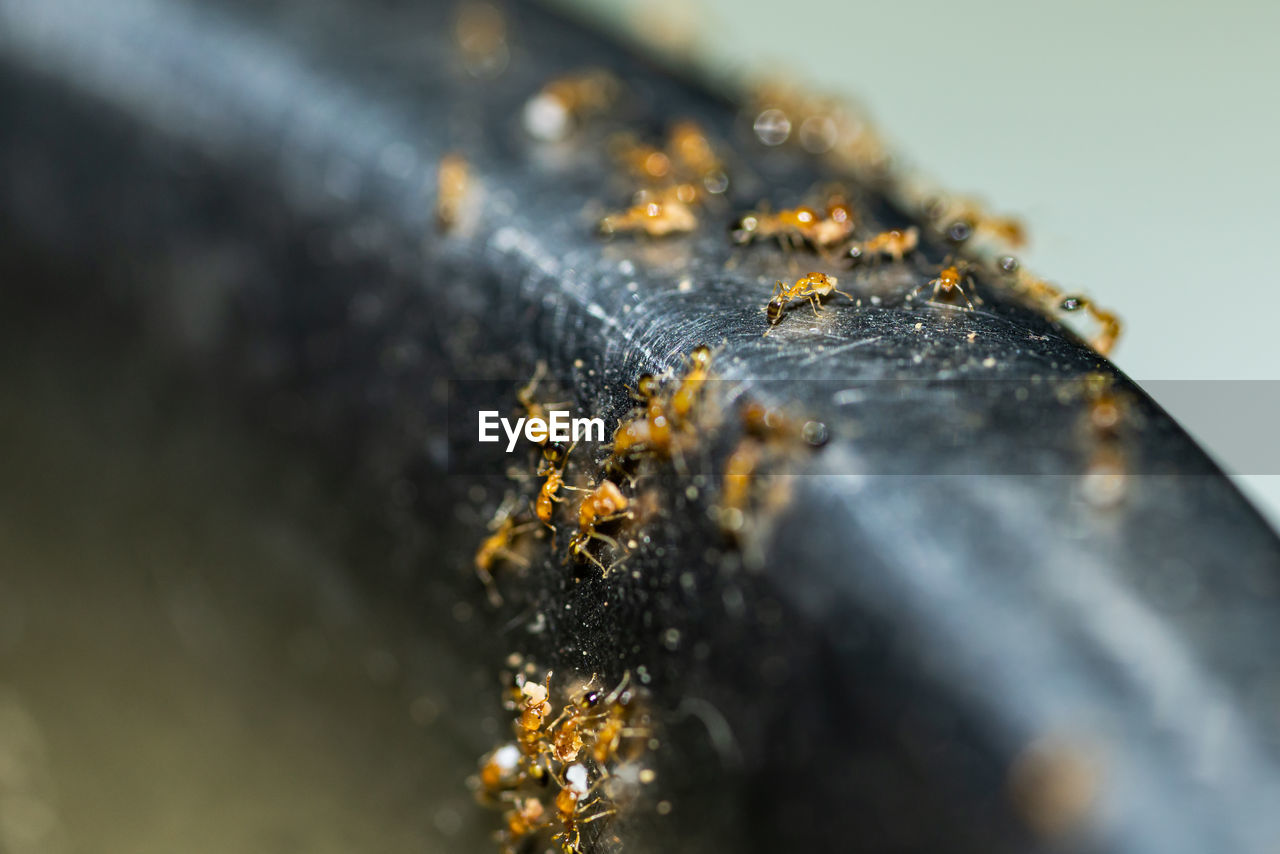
(255, 182)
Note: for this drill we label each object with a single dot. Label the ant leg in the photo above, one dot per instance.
(817, 306)
(580, 551)
(605, 538)
(911, 294)
(511, 557)
(490, 586)
(619, 562)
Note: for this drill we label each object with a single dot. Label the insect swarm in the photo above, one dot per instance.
(688, 158)
(549, 781)
(662, 426)
(453, 182)
(810, 287)
(647, 429)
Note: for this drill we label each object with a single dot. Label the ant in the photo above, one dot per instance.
(686, 394)
(500, 771)
(648, 428)
(809, 287)
(960, 218)
(453, 181)
(573, 799)
(688, 146)
(499, 546)
(526, 817)
(567, 100)
(895, 243)
(950, 280)
(796, 226)
(602, 505)
(646, 162)
(761, 428)
(554, 459)
(1110, 324)
(657, 215)
(532, 407)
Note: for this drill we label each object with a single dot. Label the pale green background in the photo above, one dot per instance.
(1138, 140)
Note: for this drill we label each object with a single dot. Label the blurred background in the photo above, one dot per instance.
(1136, 139)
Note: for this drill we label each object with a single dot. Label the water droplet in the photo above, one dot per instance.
(772, 127)
(815, 433)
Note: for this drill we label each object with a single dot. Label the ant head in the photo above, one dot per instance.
(744, 230)
(755, 417)
(701, 356)
(647, 386)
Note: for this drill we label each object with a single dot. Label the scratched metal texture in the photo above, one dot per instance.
(253, 182)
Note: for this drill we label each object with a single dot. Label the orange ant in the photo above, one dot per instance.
(656, 214)
(532, 407)
(480, 32)
(895, 243)
(644, 161)
(809, 287)
(569, 726)
(573, 799)
(551, 113)
(501, 771)
(453, 180)
(648, 428)
(604, 504)
(1110, 324)
(526, 817)
(534, 705)
(688, 154)
(761, 427)
(796, 226)
(1104, 483)
(688, 146)
(949, 281)
(554, 459)
(695, 377)
(498, 546)
(960, 218)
